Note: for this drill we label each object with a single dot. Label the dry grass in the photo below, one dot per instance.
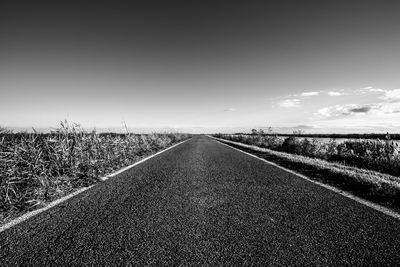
(378, 155)
(36, 168)
(381, 188)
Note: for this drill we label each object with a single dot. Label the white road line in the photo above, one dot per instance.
(52, 204)
(369, 204)
(140, 161)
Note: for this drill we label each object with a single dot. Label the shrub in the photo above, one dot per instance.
(291, 144)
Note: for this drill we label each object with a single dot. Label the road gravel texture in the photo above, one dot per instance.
(204, 204)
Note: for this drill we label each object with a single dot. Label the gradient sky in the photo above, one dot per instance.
(220, 65)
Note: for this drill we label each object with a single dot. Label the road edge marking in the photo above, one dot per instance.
(362, 201)
(54, 203)
(140, 161)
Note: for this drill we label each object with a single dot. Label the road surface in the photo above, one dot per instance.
(204, 204)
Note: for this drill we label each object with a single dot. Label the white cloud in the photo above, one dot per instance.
(309, 93)
(326, 112)
(333, 93)
(388, 108)
(289, 103)
(384, 115)
(391, 95)
(372, 89)
(346, 110)
(382, 110)
(229, 109)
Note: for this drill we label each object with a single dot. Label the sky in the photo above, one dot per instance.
(201, 66)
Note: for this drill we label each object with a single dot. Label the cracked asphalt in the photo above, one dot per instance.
(204, 204)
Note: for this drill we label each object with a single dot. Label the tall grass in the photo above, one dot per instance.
(37, 167)
(378, 155)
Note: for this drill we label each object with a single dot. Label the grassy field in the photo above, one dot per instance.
(36, 168)
(369, 184)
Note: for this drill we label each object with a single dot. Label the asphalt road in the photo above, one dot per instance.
(204, 204)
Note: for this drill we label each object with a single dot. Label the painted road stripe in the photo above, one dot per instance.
(367, 203)
(54, 203)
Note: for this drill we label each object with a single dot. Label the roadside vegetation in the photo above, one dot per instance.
(378, 155)
(36, 168)
(381, 136)
(369, 169)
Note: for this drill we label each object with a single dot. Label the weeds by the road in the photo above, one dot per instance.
(35, 168)
(378, 155)
(381, 188)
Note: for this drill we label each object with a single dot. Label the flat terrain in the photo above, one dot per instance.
(202, 203)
